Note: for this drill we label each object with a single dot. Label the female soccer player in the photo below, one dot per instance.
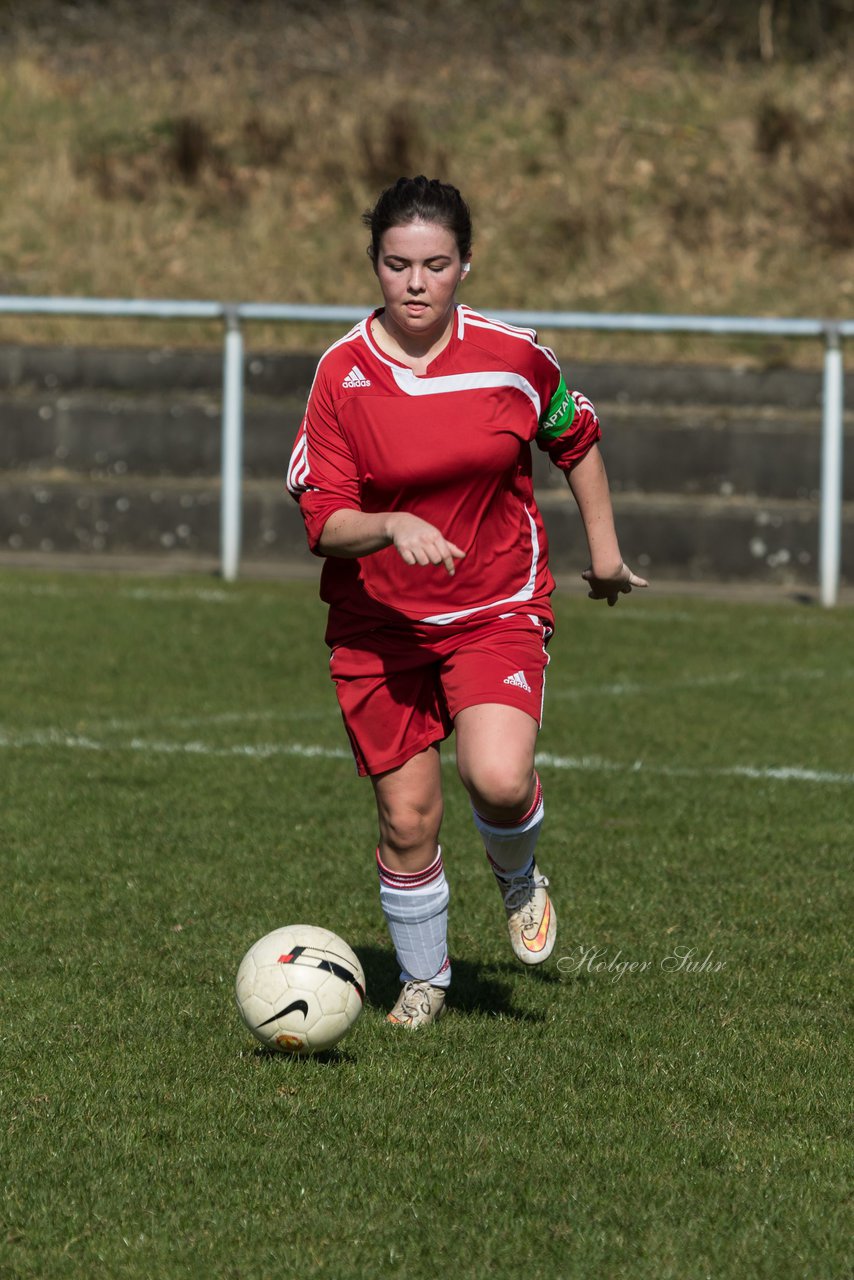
(412, 468)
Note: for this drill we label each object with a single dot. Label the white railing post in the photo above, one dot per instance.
(831, 467)
(232, 445)
(830, 534)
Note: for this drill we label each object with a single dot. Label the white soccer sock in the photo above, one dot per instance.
(510, 845)
(415, 905)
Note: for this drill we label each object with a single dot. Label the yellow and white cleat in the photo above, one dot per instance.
(531, 918)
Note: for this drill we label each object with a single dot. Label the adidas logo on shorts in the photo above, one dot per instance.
(355, 378)
(518, 678)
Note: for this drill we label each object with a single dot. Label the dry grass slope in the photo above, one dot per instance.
(209, 156)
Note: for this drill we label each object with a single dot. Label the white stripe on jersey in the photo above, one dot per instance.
(298, 468)
(581, 403)
(465, 316)
(526, 593)
(478, 321)
(415, 386)
(355, 332)
(514, 330)
(371, 344)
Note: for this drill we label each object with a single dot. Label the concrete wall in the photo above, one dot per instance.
(715, 472)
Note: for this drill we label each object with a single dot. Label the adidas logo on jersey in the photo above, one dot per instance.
(355, 378)
(518, 678)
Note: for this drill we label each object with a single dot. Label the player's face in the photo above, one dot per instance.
(419, 269)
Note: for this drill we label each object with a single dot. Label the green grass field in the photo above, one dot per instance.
(175, 782)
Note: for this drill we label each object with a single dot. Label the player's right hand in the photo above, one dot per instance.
(419, 542)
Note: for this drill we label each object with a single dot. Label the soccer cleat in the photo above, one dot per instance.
(418, 1004)
(530, 915)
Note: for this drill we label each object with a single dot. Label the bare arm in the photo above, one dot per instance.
(607, 576)
(349, 533)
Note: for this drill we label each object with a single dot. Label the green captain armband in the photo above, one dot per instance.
(559, 415)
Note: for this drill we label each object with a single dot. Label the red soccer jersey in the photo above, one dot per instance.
(451, 446)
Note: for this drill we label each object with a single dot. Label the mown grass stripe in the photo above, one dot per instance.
(545, 760)
(693, 1114)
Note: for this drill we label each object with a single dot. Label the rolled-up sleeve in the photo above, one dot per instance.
(569, 428)
(322, 475)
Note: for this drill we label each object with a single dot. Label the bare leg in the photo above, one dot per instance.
(410, 809)
(495, 758)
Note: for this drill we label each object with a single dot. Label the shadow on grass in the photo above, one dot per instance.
(477, 988)
(329, 1057)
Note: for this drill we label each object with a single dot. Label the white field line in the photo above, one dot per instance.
(208, 595)
(615, 690)
(620, 687)
(630, 613)
(640, 614)
(136, 723)
(218, 595)
(763, 773)
(545, 759)
(147, 746)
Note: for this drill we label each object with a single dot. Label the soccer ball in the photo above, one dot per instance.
(300, 989)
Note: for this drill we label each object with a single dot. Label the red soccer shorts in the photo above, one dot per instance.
(400, 689)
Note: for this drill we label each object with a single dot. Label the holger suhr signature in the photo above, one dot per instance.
(598, 960)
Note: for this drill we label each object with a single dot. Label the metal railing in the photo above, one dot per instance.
(232, 315)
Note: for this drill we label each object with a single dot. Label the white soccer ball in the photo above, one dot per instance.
(300, 989)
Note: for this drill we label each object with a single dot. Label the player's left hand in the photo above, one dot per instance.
(612, 587)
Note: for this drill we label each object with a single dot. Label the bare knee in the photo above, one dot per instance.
(495, 758)
(409, 808)
(409, 834)
(500, 792)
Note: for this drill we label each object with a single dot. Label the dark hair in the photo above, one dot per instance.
(420, 200)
